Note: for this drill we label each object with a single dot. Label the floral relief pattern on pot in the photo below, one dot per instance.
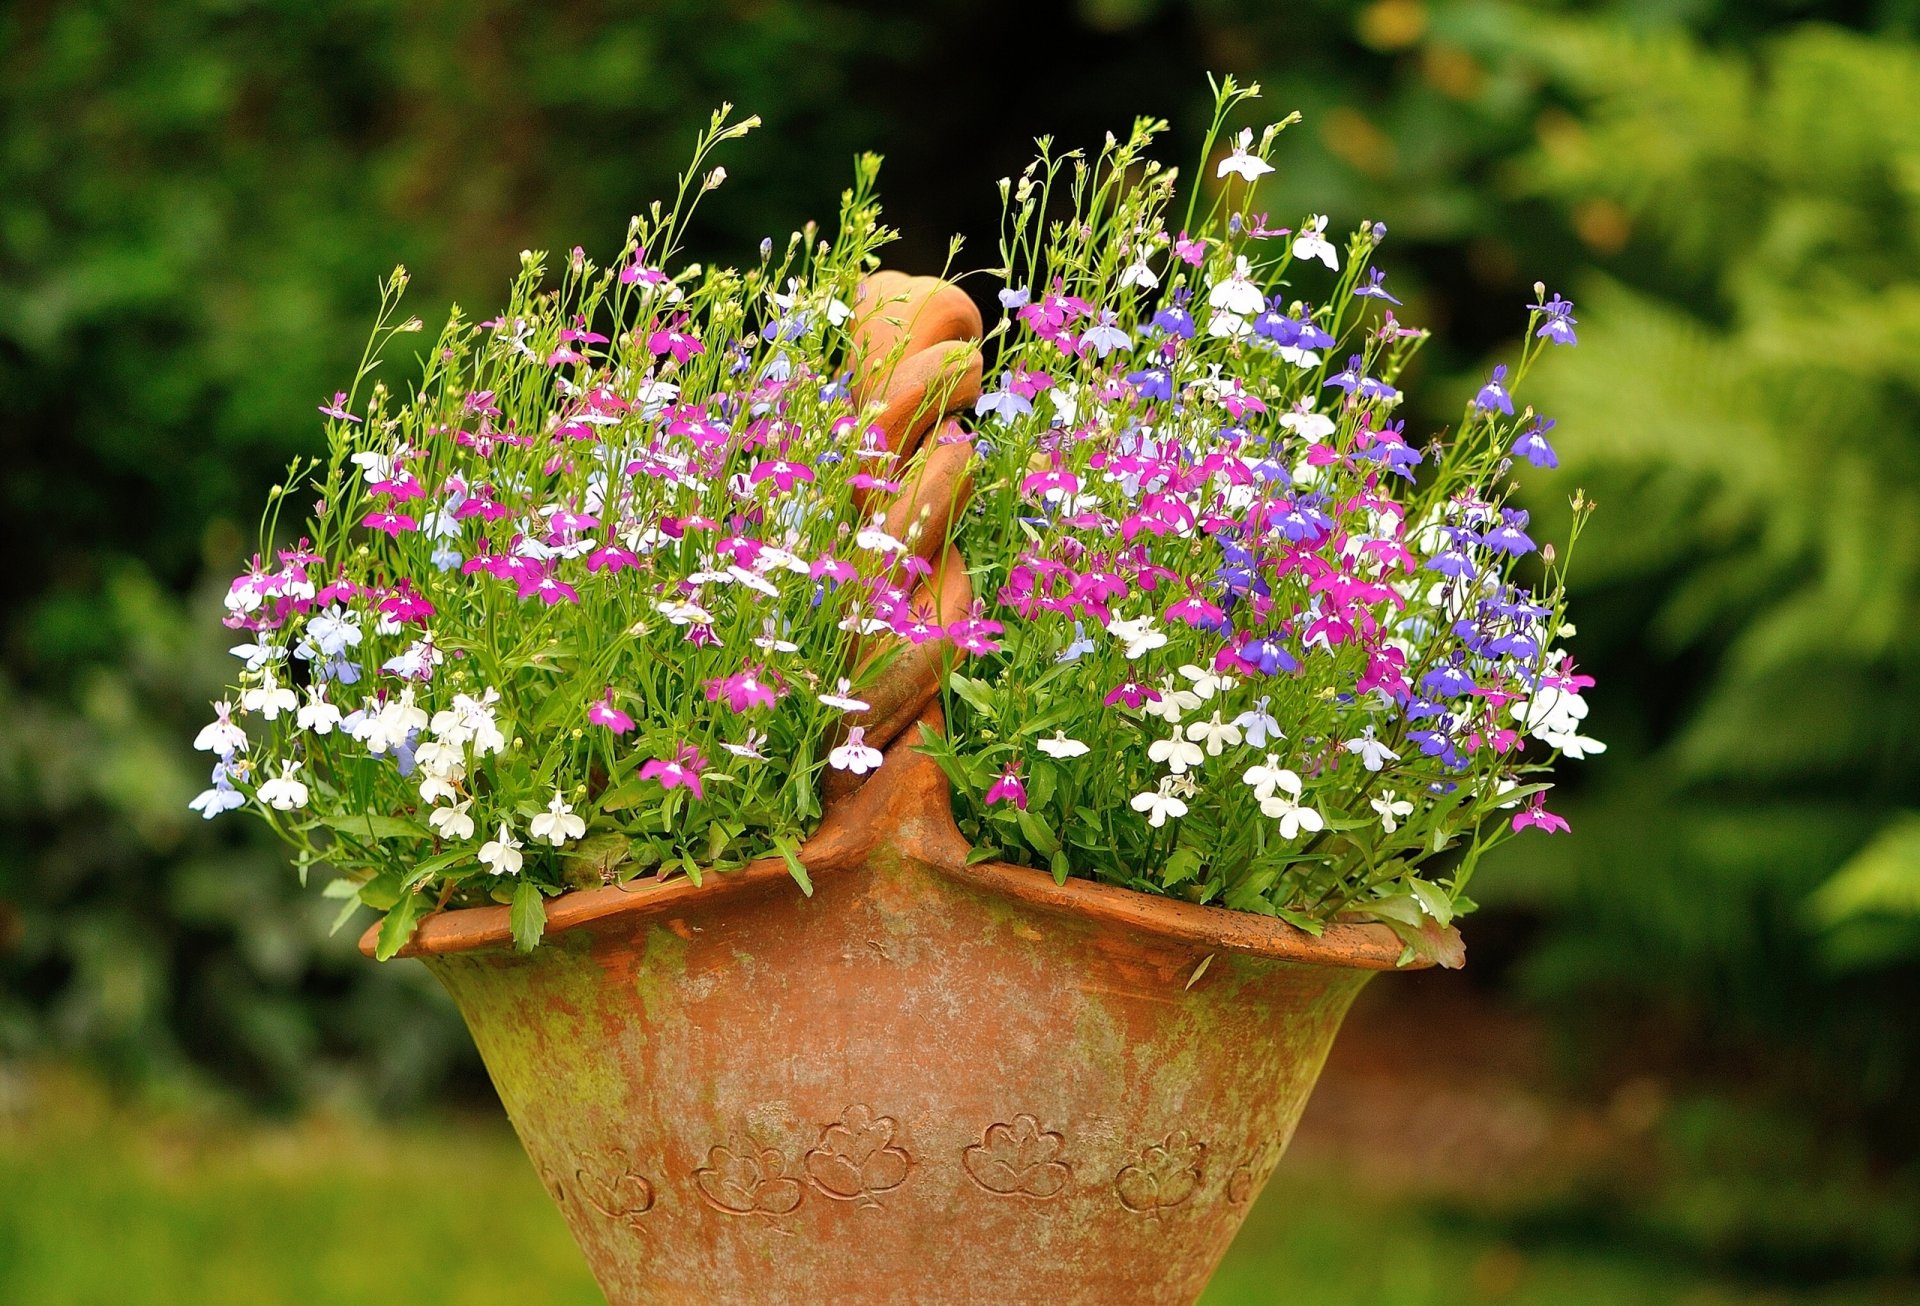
(1164, 1175)
(743, 1178)
(857, 1157)
(1019, 1159)
(610, 1183)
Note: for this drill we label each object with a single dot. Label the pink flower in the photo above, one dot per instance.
(337, 409)
(743, 690)
(683, 772)
(672, 340)
(393, 523)
(975, 633)
(1009, 788)
(548, 589)
(781, 472)
(1132, 693)
(1537, 814)
(1190, 251)
(604, 713)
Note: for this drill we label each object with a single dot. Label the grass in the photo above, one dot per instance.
(104, 1206)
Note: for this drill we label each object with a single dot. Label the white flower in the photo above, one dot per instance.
(388, 729)
(1372, 753)
(283, 793)
(1307, 424)
(269, 698)
(1137, 273)
(1159, 805)
(1268, 776)
(258, 655)
(221, 735)
(1062, 747)
(856, 755)
(436, 787)
(769, 638)
(1259, 724)
(317, 714)
(683, 613)
(1207, 683)
(1575, 746)
(1173, 703)
(1175, 753)
(1292, 815)
(470, 721)
(1138, 634)
(452, 822)
(1551, 711)
(750, 748)
(1391, 809)
(842, 699)
(873, 537)
(501, 855)
(558, 823)
(1242, 163)
(1218, 735)
(1312, 242)
(438, 757)
(1237, 294)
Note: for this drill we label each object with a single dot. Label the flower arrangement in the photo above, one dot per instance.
(1263, 648)
(599, 595)
(614, 588)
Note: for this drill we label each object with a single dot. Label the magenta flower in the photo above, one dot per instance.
(683, 772)
(672, 340)
(1132, 693)
(548, 589)
(781, 472)
(1536, 813)
(393, 523)
(1009, 788)
(604, 713)
(743, 691)
(337, 409)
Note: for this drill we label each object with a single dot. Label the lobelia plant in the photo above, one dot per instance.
(614, 590)
(577, 605)
(1262, 649)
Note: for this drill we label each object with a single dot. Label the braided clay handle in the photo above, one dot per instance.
(917, 356)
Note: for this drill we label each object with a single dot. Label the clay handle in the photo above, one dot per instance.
(917, 357)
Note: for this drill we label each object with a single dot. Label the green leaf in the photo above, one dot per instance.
(398, 926)
(626, 794)
(1181, 867)
(1037, 833)
(785, 845)
(1434, 899)
(373, 826)
(974, 692)
(382, 891)
(528, 915)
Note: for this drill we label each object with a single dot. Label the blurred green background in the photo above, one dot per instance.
(1684, 1062)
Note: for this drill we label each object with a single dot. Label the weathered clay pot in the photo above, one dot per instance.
(929, 1082)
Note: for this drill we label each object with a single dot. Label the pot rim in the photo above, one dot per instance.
(913, 809)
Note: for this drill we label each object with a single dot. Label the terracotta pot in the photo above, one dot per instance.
(929, 1082)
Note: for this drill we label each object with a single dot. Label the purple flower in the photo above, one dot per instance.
(1006, 403)
(1509, 536)
(1375, 287)
(1174, 319)
(1532, 445)
(1152, 382)
(1493, 395)
(1558, 328)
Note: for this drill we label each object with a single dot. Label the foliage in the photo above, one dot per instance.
(1744, 408)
